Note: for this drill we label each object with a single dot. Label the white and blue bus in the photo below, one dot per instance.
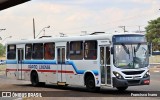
(94, 61)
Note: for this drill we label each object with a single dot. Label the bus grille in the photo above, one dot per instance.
(132, 72)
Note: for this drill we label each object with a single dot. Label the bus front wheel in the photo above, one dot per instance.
(90, 84)
(122, 88)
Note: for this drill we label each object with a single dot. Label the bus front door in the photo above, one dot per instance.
(20, 64)
(61, 68)
(105, 65)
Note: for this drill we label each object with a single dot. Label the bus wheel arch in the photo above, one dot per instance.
(34, 78)
(89, 82)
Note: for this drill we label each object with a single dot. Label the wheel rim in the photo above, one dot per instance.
(90, 83)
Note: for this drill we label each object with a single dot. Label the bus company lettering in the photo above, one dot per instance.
(39, 66)
(44, 67)
(33, 66)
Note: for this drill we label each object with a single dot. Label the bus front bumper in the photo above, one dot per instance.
(133, 82)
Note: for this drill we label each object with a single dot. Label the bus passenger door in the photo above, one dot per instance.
(105, 65)
(20, 64)
(61, 64)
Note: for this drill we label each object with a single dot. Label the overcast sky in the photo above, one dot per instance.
(73, 16)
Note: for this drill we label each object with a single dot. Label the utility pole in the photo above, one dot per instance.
(34, 29)
(123, 27)
(139, 27)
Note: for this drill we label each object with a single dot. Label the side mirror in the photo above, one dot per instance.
(112, 50)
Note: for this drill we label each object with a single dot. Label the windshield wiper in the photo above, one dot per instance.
(136, 49)
(126, 49)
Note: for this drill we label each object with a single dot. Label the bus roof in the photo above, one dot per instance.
(71, 38)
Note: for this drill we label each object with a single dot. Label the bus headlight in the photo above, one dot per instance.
(147, 74)
(119, 76)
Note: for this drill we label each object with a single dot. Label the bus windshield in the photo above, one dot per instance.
(131, 56)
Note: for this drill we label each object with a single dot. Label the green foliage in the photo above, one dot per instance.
(153, 33)
(2, 50)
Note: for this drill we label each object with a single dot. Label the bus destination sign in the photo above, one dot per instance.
(129, 38)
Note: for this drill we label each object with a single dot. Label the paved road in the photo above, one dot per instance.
(73, 92)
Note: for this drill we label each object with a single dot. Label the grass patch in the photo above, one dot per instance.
(2, 69)
(154, 59)
(2, 58)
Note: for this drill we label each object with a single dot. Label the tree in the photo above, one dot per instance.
(2, 50)
(153, 33)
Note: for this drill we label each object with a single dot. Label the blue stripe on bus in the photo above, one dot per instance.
(39, 62)
(11, 61)
(32, 62)
(75, 68)
(79, 71)
(50, 62)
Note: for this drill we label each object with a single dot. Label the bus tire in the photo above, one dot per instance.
(122, 88)
(35, 79)
(90, 84)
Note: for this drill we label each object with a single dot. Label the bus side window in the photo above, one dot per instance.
(37, 51)
(76, 50)
(11, 52)
(108, 55)
(28, 51)
(49, 51)
(68, 50)
(90, 50)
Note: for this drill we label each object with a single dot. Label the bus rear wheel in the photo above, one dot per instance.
(90, 84)
(122, 88)
(34, 79)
